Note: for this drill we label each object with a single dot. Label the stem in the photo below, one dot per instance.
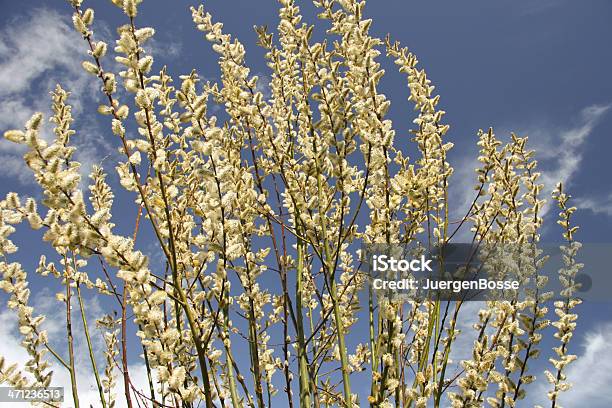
(92, 358)
(149, 378)
(373, 348)
(236, 402)
(126, 375)
(196, 340)
(303, 364)
(124, 362)
(342, 346)
(333, 292)
(73, 383)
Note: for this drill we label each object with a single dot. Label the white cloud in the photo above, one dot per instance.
(590, 374)
(560, 151)
(168, 48)
(597, 205)
(563, 155)
(36, 44)
(46, 304)
(263, 85)
(38, 51)
(466, 319)
(13, 167)
(462, 194)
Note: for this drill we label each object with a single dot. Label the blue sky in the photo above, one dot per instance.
(536, 68)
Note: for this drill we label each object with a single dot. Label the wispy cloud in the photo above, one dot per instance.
(559, 151)
(462, 184)
(590, 374)
(562, 152)
(467, 318)
(598, 205)
(37, 51)
(167, 48)
(33, 45)
(55, 325)
(263, 85)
